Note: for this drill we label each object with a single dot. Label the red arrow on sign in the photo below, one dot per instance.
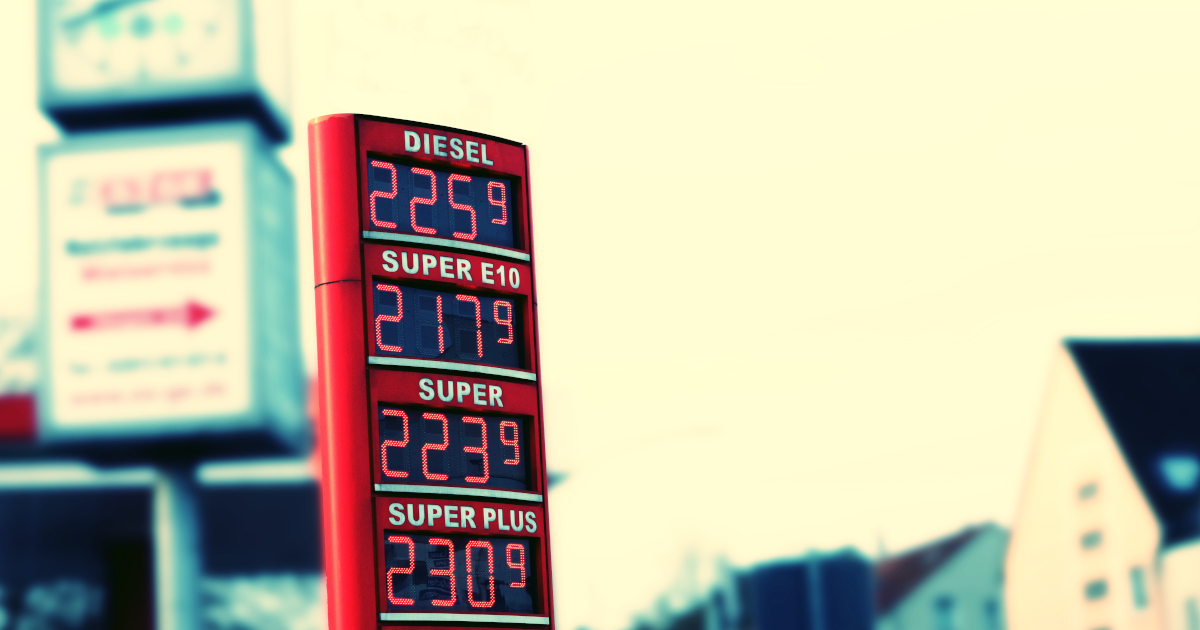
(190, 315)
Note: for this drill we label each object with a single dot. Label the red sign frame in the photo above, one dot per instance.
(350, 254)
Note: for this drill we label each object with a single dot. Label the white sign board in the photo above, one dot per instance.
(146, 288)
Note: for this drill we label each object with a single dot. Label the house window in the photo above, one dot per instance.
(991, 615)
(1088, 490)
(1137, 583)
(1091, 540)
(943, 613)
(1096, 589)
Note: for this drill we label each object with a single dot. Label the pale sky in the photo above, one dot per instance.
(801, 267)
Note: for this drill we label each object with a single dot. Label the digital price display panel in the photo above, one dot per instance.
(466, 573)
(440, 203)
(430, 403)
(456, 326)
(440, 447)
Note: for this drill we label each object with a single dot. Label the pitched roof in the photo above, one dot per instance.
(896, 577)
(1148, 391)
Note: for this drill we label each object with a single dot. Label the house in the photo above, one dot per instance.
(1109, 520)
(955, 583)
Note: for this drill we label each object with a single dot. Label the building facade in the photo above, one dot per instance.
(1085, 540)
(956, 583)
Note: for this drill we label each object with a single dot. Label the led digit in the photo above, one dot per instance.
(449, 571)
(412, 562)
(429, 315)
(412, 204)
(520, 562)
(441, 329)
(503, 220)
(451, 325)
(470, 236)
(379, 319)
(480, 544)
(396, 443)
(478, 321)
(503, 321)
(486, 220)
(481, 449)
(469, 444)
(435, 447)
(385, 195)
(516, 458)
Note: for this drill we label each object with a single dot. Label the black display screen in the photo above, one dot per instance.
(459, 573)
(418, 446)
(430, 202)
(412, 322)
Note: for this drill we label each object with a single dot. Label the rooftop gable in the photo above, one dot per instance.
(897, 577)
(1148, 392)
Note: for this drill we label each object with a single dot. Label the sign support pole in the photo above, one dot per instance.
(177, 560)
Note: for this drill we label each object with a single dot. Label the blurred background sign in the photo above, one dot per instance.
(168, 330)
(155, 325)
(105, 63)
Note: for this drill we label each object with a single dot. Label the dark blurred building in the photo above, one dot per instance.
(77, 547)
(76, 557)
(821, 591)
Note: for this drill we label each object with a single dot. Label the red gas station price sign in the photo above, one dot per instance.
(432, 446)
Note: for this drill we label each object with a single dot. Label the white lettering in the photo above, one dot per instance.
(514, 277)
(449, 395)
(485, 269)
(483, 153)
(426, 144)
(472, 149)
(451, 516)
(468, 516)
(412, 142)
(412, 516)
(428, 261)
(456, 150)
(416, 266)
(439, 146)
(435, 512)
(389, 260)
(530, 524)
(397, 510)
(464, 269)
(446, 269)
(500, 521)
(489, 515)
(481, 394)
